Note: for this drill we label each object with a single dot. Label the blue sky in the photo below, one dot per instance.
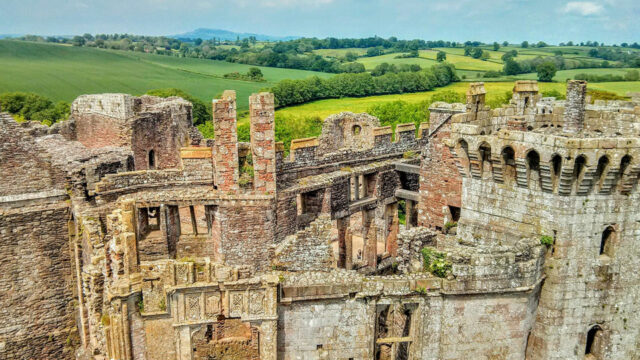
(553, 21)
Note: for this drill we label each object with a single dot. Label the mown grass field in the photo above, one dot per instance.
(65, 72)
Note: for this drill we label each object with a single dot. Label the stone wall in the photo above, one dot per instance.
(24, 168)
(159, 132)
(440, 181)
(37, 306)
(339, 329)
(246, 231)
(347, 130)
(308, 249)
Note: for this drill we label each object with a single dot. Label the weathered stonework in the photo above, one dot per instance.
(517, 241)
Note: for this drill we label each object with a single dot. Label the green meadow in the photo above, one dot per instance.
(65, 72)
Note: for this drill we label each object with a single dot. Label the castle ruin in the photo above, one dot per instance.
(483, 234)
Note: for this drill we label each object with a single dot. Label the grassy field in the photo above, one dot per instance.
(64, 72)
(324, 108)
(338, 53)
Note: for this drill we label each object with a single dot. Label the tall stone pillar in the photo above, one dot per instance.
(575, 106)
(263, 142)
(370, 238)
(226, 142)
(343, 226)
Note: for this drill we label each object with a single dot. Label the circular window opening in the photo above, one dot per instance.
(356, 129)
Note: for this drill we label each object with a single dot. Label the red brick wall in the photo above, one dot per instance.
(96, 131)
(440, 181)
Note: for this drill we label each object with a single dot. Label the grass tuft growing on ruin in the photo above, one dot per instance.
(436, 262)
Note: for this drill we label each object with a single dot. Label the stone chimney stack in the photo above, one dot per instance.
(226, 142)
(575, 106)
(263, 143)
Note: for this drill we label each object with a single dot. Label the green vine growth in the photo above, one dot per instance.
(435, 262)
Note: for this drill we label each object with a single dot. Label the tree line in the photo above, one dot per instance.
(291, 92)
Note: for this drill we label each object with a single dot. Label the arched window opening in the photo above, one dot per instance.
(533, 169)
(594, 341)
(606, 242)
(463, 152)
(152, 160)
(624, 167)
(526, 101)
(509, 164)
(601, 172)
(556, 169)
(578, 170)
(356, 129)
(485, 160)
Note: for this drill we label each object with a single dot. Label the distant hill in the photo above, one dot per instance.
(208, 34)
(8, 36)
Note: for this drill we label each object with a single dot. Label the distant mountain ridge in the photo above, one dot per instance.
(208, 34)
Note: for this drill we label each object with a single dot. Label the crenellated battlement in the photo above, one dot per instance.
(570, 150)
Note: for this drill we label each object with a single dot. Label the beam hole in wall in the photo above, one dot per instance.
(152, 159)
(455, 213)
(606, 241)
(594, 342)
(356, 130)
(556, 167)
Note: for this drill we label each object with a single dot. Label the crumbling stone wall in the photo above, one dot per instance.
(162, 128)
(246, 231)
(24, 168)
(347, 130)
(153, 128)
(440, 181)
(36, 287)
(308, 249)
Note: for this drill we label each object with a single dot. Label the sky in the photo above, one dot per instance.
(552, 21)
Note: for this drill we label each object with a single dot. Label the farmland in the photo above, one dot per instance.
(64, 72)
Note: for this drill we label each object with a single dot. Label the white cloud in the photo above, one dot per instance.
(585, 8)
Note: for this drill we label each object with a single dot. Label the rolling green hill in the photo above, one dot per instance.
(64, 72)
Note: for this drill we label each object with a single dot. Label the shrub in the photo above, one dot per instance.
(546, 240)
(435, 262)
(554, 93)
(30, 106)
(492, 74)
(546, 71)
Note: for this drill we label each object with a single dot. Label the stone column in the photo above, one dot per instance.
(408, 216)
(226, 142)
(369, 237)
(575, 106)
(343, 226)
(269, 340)
(263, 143)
